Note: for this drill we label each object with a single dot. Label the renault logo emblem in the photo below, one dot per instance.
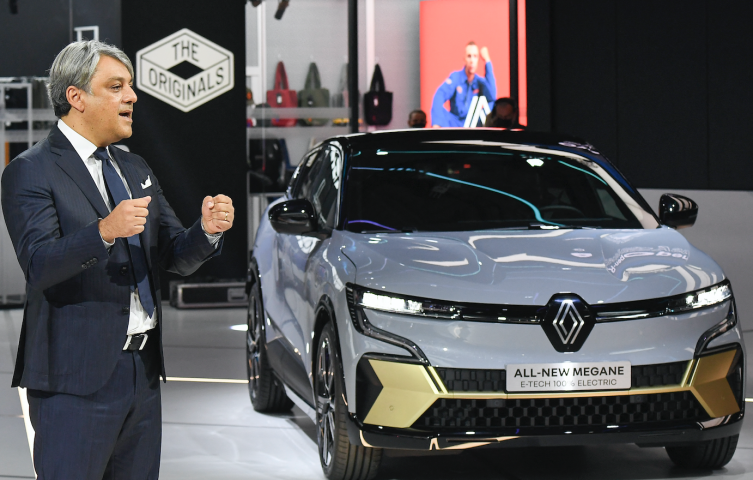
(567, 322)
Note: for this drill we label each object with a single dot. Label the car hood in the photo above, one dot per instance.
(527, 267)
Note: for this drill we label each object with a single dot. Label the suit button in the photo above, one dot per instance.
(126, 310)
(84, 266)
(94, 260)
(124, 271)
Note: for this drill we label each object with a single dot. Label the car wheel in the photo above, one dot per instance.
(339, 458)
(711, 454)
(266, 392)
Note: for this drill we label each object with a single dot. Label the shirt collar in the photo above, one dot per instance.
(83, 147)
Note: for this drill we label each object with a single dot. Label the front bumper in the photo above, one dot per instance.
(413, 406)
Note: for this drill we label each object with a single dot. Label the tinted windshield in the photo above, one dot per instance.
(450, 189)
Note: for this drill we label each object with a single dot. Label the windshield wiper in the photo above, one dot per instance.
(542, 226)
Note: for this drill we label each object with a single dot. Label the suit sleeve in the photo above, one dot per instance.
(180, 250)
(47, 257)
(491, 82)
(438, 112)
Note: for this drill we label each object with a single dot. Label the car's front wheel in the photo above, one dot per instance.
(266, 392)
(339, 458)
(711, 454)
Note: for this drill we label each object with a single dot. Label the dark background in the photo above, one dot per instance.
(193, 154)
(201, 152)
(663, 88)
(30, 40)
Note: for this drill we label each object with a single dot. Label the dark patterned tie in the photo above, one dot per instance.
(138, 259)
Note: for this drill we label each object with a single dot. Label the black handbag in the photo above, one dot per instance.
(313, 95)
(377, 103)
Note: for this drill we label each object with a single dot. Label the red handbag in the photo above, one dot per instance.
(282, 97)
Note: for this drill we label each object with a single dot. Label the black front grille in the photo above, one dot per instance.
(472, 380)
(562, 412)
(485, 380)
(658, 375)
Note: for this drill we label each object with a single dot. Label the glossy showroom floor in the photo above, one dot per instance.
(211, 431)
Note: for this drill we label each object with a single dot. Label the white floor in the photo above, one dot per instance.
(211, 431)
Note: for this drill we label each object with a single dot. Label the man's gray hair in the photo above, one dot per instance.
(75, 66)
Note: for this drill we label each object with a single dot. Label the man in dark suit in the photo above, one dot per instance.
(90, 227)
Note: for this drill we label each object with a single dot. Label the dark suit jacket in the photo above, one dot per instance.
(78, 293)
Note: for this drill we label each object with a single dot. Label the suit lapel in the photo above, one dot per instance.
(133, 178)
(72, 164)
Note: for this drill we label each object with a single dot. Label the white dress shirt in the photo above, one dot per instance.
(139, 321)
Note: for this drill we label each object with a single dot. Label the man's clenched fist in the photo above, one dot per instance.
(217, 214)
(127, 219)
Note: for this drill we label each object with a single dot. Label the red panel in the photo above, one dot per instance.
(522, 64)
(446, 28)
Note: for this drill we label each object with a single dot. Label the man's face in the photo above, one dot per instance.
(417, 120)
(108, 109)
(471, 58)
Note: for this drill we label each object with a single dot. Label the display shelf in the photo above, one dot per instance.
(22, 136)
(299, 112)
(22, 114)
(256, 133)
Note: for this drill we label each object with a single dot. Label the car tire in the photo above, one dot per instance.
(712, 454)
(265, 390)
(340, 459)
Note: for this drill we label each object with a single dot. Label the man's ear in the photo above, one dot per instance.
(75, 98)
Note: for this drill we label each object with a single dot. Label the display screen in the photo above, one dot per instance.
(457, 39)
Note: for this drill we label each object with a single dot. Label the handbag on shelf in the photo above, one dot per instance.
(282, 97)
(340, 99)
(377, 103)
(313, 95)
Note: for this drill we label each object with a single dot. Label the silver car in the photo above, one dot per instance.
(454, 289)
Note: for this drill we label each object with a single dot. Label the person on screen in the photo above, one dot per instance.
(461, 87)
(417, 119)
(504, 114)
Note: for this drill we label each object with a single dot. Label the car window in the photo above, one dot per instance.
(301, 173)
(322, 185)
(459, 188)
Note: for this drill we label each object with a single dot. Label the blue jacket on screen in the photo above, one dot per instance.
(460, 93)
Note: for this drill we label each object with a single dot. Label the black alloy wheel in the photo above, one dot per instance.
(339, 458)
(266, 392)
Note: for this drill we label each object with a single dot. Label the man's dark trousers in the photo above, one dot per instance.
(114, 433)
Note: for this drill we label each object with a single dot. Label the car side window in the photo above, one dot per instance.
(301, 173)
(322, 185)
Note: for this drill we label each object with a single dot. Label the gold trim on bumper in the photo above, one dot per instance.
(408, 390)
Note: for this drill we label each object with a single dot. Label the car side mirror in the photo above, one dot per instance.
(294, 217)
(677, 211)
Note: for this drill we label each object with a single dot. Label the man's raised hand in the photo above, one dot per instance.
(127, 219)
(485, 54)
(217, 214)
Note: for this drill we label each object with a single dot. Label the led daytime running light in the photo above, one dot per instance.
(390, 304)
(706, 298)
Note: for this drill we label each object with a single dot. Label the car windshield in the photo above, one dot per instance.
(461, 188)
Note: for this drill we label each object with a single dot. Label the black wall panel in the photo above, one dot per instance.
(538, 45)
(583, 71)
(730, 94)
(662, 93)
(201, 152)
(661, 87)
(30, 39)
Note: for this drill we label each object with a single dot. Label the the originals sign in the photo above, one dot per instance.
(161, 70)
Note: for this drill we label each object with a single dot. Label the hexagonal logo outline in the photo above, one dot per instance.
(561, 309)
(153, 75)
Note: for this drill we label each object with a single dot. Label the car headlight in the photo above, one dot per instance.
(706, 297)
(441, 309)
(729, 322)
(386, 303)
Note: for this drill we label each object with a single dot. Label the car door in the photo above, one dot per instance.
(299, 274)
